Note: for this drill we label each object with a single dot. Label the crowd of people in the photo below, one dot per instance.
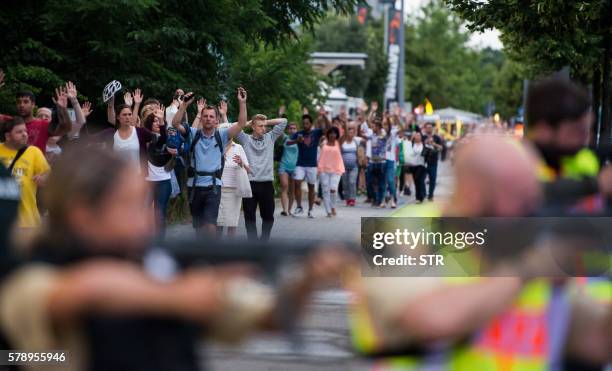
(223, 167)
(87, 286)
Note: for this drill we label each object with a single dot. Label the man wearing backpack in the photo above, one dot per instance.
(207, 160)
(27, 164)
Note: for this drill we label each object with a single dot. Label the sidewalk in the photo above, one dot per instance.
(345, 226)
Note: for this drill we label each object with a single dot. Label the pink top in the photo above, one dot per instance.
(330, 160)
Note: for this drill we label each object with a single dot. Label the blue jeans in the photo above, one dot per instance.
(349, 183)
(377, 175)
(161, 195)
(432, 173)
(390, 178)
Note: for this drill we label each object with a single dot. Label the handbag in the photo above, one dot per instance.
(243, 185)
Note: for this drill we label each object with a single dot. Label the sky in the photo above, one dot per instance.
(488, 38)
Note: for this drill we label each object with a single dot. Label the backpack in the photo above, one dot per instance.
(192, 172)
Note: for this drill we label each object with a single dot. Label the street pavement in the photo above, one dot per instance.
(324, 332)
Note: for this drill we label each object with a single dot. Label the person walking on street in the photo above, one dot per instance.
(231, 202)
(286, 169)
(391, 128)
(378, 162)
(161, 160)
(414, 157)
(207, 161)
(308, 141)
(27, 164)
(437, 145)
(349, 145)
(330, 169)
(259, 149)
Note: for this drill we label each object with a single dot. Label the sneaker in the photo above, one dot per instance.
(382, 205)
(329, 215)
(348, 202)
(298, 210)
(430, 198)
(284, 213)
(407, 191)
(310, 214)
(352, 203)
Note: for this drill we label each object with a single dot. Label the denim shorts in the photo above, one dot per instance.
(282, 171)
(205, 205)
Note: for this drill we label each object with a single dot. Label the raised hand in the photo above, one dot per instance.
(242, 95)
(364, 107)
(281, 110)
(201, 105)
(304, 110)
(71, 90)
(86, 108)
(222, 108)
(188, 99)
(160, 115)
(61, 97)
(374, 106)
(127, 98)
(322, 111)
(1, 78)
(137, 96)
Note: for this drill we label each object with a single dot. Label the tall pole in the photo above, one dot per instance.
(386, 25)
(400, 80)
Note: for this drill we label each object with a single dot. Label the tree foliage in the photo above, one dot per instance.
(441, 66)
(545, 35)
(345, 34)
(201, 45)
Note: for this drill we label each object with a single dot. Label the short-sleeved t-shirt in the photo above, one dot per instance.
(208, 156)
(30, 164)
(38, 133)
(307, 150)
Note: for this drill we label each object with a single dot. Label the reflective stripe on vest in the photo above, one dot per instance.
(529, 336)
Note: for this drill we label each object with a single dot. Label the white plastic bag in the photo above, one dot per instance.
(243, 188)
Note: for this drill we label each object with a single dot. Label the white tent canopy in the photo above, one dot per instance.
(453, 114)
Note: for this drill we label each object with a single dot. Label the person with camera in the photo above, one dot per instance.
(207, 159)
(161, 160)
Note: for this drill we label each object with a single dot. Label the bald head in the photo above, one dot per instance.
(495, 176)
(44, 113)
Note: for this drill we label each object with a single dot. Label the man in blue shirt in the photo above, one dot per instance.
(306, 168)
(206, 156)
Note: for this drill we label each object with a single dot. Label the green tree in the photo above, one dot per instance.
(440, 65)
(508, 89)
(345, 34)
(546, 35)
(153, 44)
